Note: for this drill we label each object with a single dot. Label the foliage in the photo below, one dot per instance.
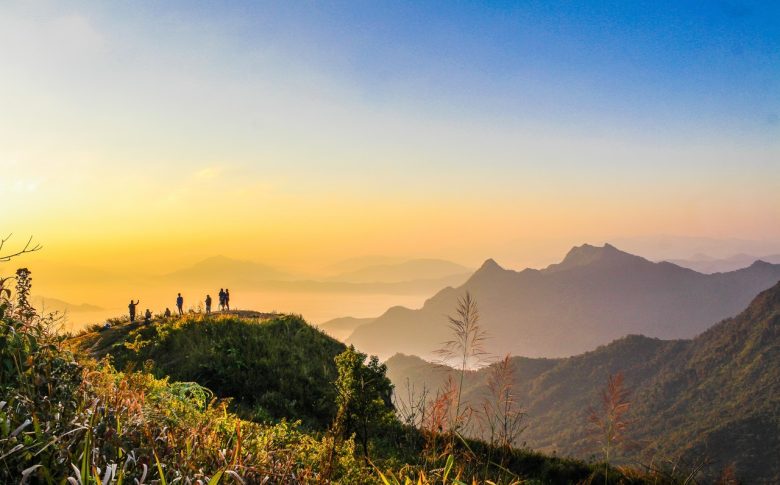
(363, 396)
(272, 369)
(24, 310)
(90, 423)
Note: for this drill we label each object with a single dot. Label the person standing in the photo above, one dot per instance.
(148, 317)
(208, 304)
(180, 304)
(131, 307)
(221, 299)
(227, 299)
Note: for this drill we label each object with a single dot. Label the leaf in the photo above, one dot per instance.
(159, 468)
(448, 467)
(216, 478)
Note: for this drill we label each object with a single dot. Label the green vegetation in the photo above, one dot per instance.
(272, 368)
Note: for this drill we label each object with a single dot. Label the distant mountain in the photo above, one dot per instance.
(716, 396)
(706, 264)
(45, 304)
(341, 328)
(354, 264)
(595, 295)
(416, 269)
(226, 271)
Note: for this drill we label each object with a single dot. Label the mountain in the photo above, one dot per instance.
(595, 295)
(416, 269)
(716, 396)
(357, 263)
(706, 264)
(341, 328)
(226, 272)
(46, 304)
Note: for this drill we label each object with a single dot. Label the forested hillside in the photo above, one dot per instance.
(714, 399)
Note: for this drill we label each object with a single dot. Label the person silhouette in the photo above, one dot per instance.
(208, 304)
(221, 299)
(147, 317)
(180, 304)
(131, 307)
(227, 299)
(167, 313)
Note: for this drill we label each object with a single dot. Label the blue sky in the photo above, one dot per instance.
(676, 66)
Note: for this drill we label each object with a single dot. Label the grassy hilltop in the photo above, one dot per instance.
(272, 366)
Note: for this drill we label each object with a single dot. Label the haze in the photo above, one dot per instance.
(137, 140)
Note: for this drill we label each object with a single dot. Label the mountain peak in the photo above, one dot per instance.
(587, 254)
(490, 265)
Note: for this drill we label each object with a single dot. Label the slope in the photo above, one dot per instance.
(715, 396)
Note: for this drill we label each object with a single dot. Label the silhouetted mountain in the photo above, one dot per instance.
(715, 396)
(360, 262)
(45, 304)
(705, 264)
(416, 269)
(226, 271)
(341, 328)
(595, 295)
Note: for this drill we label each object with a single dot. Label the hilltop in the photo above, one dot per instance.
(593, 296)
(272, 366)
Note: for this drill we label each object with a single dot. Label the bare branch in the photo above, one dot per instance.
(28, 248)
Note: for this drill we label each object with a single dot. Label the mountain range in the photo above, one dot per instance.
(341, 328)
(593, 296)
(415, 269)
(45, 305)
(713, 398)
(707, 264)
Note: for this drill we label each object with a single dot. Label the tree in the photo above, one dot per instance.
(364, 396)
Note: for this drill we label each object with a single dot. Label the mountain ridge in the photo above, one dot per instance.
(595, 295)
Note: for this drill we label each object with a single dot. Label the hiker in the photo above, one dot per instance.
(221, 299)
(167, 313)
(180, 304)
(227, 299)
(131, 307)
(208, 304)
(147, 317)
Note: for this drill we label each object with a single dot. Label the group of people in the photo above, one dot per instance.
(224, 304)
(224, 301)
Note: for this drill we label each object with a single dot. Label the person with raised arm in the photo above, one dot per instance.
(131, 307)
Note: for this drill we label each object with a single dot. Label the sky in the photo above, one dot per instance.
(144, 136)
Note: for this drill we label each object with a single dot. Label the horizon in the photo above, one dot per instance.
(272, 293)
